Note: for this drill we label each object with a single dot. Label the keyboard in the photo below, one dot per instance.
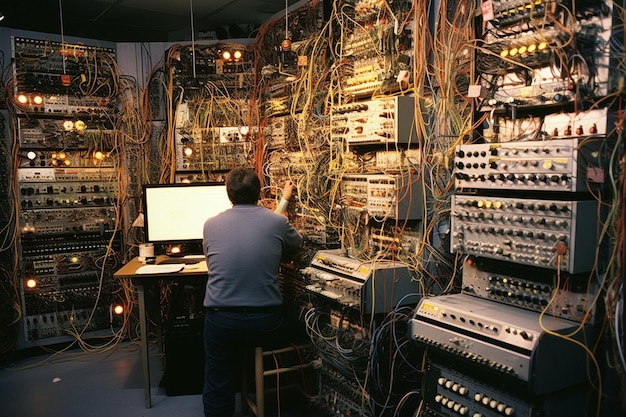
(186, 259)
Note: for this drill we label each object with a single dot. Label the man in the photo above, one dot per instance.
(243, 247)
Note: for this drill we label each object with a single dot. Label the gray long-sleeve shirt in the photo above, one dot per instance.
(244, 246)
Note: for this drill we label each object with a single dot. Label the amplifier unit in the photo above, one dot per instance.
(371, 286)
(542, 351)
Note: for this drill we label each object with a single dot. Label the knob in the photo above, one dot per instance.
(525, 335)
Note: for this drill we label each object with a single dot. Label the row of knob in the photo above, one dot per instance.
(563, 179)
(489, 327)
(98, 201)
(494, 404)
(485, 400)
(495, 220)
(68, 213)
(520, 233)
(544, 257)
(520, 205)
(522, 284)
(350, 108)
(499, 151)
(537, 254)
(28, 191)
(470, 356)
(53, 229)
(544, 165)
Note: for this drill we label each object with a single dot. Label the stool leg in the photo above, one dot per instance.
(244, 384)
(259, 382)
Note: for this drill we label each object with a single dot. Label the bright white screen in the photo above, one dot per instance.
(177, 213)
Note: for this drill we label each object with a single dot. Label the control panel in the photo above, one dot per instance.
(340, 395)
(67, 184)
(60, 279)
(530, 288)
(393, 196)
(449, 391)
(385, 120)
(57, 78)
(505, 340)
(545, 233)
(544, 53)
(559, 165)
(65, 133)
(372, 287)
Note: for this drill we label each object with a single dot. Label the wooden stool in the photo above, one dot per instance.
(256, 405)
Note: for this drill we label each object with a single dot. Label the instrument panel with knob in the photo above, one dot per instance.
(563, 165)
(507, 342)
(452, 391)
(530, 288)
(550, 234)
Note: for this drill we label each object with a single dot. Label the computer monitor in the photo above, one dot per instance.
(175, 213)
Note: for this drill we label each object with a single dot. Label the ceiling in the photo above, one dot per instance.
(141, 20)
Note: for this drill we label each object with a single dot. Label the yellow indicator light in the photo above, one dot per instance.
(31, 283)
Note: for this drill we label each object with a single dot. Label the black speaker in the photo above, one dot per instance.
(184, 361)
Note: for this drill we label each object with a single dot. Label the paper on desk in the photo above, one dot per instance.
(159, 269)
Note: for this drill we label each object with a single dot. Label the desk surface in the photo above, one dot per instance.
(129, 270)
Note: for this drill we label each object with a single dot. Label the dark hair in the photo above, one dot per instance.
(243, 186)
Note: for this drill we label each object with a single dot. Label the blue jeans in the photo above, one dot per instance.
(226, 336)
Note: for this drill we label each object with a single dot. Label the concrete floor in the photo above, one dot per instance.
(101, 384)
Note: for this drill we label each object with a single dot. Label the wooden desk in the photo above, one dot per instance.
(142, 281)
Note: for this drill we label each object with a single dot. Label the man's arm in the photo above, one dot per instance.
(281, 208)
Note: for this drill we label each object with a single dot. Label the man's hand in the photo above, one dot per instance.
(288, 190)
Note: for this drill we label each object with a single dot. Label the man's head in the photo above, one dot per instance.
(243, 186)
